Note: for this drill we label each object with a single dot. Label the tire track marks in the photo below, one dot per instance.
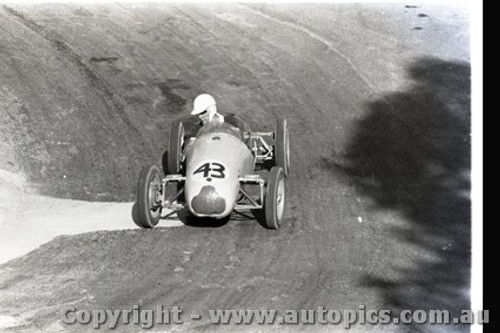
(316, 37)
(102, 88)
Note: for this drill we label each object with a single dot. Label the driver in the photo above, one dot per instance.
(204, 107)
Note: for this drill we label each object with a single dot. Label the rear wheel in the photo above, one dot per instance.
(282, 146)
(175, 153)
(148, 206)
(274, 205)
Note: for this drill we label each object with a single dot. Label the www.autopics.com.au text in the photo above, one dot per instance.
(147, 318)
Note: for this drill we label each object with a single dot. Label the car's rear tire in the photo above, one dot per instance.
(175, 152)
(148, 207)
(274, 204)
(282, 146)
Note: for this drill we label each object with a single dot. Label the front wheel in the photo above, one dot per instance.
(149, 189)
(274, 205)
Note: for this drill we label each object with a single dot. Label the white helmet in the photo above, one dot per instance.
(203, 103)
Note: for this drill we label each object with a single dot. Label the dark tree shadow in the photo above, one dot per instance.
(412, 154)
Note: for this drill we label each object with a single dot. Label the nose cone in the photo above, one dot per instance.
(208, 202)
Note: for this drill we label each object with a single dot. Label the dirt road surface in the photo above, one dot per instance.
(377, 209)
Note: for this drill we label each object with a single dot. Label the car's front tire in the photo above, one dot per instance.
(148, 205)
(274, 205)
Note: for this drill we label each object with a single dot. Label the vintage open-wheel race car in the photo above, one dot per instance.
(223, 169)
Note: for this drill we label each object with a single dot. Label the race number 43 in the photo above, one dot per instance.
(214, 170)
